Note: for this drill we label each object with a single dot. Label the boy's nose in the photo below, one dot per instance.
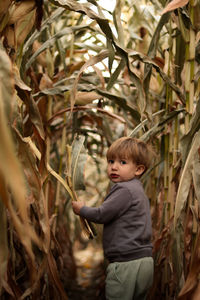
(114, 166)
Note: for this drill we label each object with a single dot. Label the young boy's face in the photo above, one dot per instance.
(119, 170)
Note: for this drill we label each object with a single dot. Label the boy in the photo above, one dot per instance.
(125, 214)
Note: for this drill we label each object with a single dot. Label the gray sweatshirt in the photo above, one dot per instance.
(125, 214)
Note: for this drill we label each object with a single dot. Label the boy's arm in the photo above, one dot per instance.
(117, 203)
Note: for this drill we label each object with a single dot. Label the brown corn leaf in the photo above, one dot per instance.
(83, 98)
(40, 272)
(4, 5)
(174, 5)
(3, 242)
(20, 10)
(33, 110)
(7, 91)
(94, 60)
(24, 26)
(85, 107)
(9, 163)
(51, 171)
(45, 82)
(196, 174)
(34, 185)
(41, 58)
(54, 275)
(186, 177)
(9, 34)
(191, 286)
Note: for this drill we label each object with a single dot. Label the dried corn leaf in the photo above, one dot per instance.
(34, 185)
(83, 98)
(9, 34)
(4, 13)
(144, 122)
(20, 10)
(34, 114)
(196, 174)
(186, 140)
(3, 241)
(9, 163)
(75, 176)
(116, 74)
(40, 272)
(79, 157)
(4, 6)
(94, 60)
(51, 171)
(7, 91)
(174, 5)
(154, 44)
(54, 276)
(18, 81)
(122, 102)
(166, 79)
(85, 107)
(24, 26)
(45, 25)
(81, 8)
(186, 178)
(118, 23)
(190, 289)
(50, 42)
(158, 127)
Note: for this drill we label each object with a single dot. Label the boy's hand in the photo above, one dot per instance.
(76, 206)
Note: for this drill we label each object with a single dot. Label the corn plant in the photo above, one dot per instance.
(74, 76)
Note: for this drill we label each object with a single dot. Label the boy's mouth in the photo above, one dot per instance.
(113, 176)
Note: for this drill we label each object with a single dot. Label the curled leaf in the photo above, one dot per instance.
(174, 5)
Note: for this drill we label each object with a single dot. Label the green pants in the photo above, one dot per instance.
(129, 280)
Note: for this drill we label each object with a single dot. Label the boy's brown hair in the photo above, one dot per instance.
(131, 148)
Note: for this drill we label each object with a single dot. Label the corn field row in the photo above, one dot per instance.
(74, 76)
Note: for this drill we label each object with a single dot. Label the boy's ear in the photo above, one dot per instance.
(139, 170)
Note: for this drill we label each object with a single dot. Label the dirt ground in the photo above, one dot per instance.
(90, 276)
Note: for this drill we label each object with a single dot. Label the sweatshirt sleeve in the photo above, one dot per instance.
(114, 205)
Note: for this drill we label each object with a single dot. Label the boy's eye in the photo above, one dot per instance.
(123, 162)
(110, 161)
